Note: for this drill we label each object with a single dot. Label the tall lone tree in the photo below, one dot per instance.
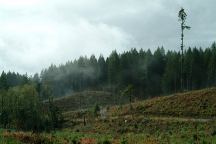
(182, 18)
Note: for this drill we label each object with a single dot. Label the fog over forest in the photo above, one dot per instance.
(36, 33)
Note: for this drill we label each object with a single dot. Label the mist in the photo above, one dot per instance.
(35, 34)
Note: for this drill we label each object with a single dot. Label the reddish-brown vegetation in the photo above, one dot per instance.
(88, 141)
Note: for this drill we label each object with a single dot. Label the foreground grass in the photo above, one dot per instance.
(58, 137)
(176, 133)
(7, 140)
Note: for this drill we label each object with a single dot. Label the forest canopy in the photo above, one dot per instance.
(151, 73)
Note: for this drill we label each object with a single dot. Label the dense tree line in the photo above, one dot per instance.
(12, 79)
(151, 73)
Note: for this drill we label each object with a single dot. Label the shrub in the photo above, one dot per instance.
(104, 141)
(124, 141)
(96, 110)
(75, 140)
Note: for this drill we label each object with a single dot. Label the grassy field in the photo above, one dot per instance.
(199, 134)
(176, 119)
(7, 140)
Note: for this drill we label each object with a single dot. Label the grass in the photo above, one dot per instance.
(58, 137)
(7, 140)
(187, 135)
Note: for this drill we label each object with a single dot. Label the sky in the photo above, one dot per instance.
(37, 33)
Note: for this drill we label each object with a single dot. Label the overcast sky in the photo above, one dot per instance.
(36, 33)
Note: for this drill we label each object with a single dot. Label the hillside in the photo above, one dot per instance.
(196, 106)
(189, 107)
(83, 100)
(198, 103)
(178, 118)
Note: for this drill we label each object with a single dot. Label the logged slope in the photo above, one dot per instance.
(84, 100)
(199, 103)
(182, 114)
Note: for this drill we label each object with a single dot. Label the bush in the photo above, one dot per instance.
(96, 110)
(75, 141)
(124, 141)
(104, 141)
(24, 110)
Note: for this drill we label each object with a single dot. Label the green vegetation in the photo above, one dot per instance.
(96, 110)
(21, 108)
(128, 92)
(193, 133)
(7, 140)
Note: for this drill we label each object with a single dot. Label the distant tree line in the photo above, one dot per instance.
(150, 73)
(12, 79)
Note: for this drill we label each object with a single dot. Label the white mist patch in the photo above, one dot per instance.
(31, 46)
(15, 3)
